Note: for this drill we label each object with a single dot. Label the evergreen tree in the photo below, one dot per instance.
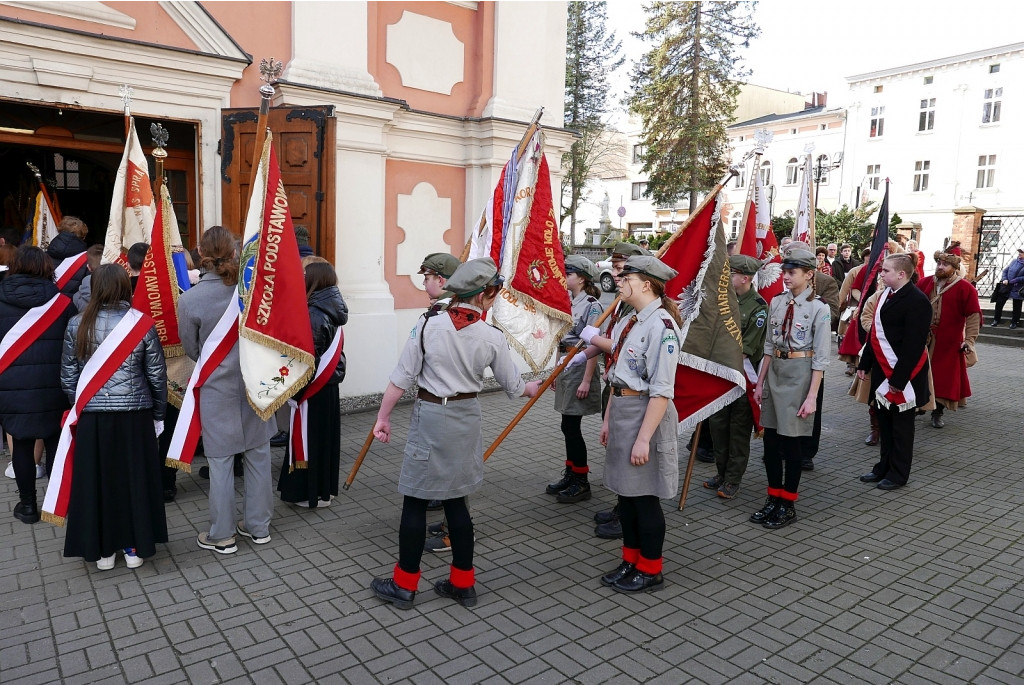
(685, 90)
(591, 55)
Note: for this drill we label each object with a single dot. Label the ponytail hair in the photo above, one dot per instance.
(658, 288)
(217, 254)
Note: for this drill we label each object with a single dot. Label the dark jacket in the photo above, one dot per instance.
(906, 318)
(139, 383)
(328, 311)
(1014, 273)
(841, 267)
(63, 246)
(31, 401)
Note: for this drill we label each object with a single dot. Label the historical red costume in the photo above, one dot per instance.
(956, 317)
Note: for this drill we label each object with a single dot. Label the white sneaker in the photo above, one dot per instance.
(257, 539)
(106, 563)
(40, 471)
(10, 470)
(131, 559)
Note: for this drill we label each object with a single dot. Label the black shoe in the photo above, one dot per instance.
(204, 472)
(937, 421)
(170, 494)
(620, 572)
(578, 490)
(638, 581)
(1013, 326)
(783, 515)
(705, 455)
(886, 484)
(435, 505)
(386, 589)
(466, 596)
(764, 512)
(280, 439)
(993, 324)
(436, 529)
(870, 477)
(609, 531)
(561, 484)
(26, 512)
(607, 516)
(807, 465)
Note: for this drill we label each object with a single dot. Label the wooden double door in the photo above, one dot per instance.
(304, 141)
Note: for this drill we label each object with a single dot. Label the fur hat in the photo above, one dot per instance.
(950, 259)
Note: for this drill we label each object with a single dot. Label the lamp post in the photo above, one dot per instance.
(820, 170)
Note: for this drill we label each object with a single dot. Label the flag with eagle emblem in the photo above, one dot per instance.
(760, 243)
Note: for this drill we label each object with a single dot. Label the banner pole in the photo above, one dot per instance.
(689, 466)
(269, 71)
(359, 461)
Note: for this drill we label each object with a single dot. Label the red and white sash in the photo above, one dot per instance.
(63, 274)
(885, 395)
(189, 426)
(29, 327)
(107, 358)
(298, 445)
(751, 373)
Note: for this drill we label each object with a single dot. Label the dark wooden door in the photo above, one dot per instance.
(304, 142)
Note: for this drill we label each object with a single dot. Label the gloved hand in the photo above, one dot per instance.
(578, 358)
(193, 276)
(588, 333)
(159, 427)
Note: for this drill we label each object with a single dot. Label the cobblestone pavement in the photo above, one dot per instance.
(920, 585)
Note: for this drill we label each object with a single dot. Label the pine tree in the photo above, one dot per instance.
(591, 55)
(685, 90)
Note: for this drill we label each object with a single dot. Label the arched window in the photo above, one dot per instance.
(734, 225)
(766, 173)
(791, 171)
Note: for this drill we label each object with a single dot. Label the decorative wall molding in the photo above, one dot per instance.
(411, 39)
(424, 217)
(201, 28)
(95, 12)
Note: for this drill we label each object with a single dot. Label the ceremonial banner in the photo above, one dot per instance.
(157, 291)
(710, 372)
(275, 345)
(44, 221)
(803, 228)
(759, 241)
(867, 279)
(519, 231)
(131, 207)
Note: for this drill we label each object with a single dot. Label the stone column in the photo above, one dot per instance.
(967, 229)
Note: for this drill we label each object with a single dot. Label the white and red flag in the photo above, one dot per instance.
(710, 371)
(44, 220)
(132, 208)
(803, 227)
(275, 339)
(758, 241)
(519, 231)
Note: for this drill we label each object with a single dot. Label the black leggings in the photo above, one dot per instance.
(23, 457)
(779, 450)
(412, 533)
(643, 525)
(575, 445)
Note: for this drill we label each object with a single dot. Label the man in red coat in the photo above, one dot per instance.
(956, 320)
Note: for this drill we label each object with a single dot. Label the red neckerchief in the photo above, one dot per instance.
(622, 340)
(462, 317)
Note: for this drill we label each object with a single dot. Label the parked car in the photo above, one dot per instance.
(606, 278)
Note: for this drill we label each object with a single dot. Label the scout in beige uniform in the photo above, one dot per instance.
(446, 355)
(642, 461)
(578, 388)
(796, 352)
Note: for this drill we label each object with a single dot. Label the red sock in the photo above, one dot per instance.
(788, 496)
(580, 469)
(649, 566)
(406, 580)
(630, 555)
(461, 579)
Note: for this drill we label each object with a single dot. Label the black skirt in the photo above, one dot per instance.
(116, 493)
(319, 480)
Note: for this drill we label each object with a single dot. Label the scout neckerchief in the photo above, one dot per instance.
(189, 426)
(886, 356)
(622, 341)
(63, 274)
(29, 327)
(107, 358)
(787, 320)
(298, 446)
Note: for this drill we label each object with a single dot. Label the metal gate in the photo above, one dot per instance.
(1001, 236)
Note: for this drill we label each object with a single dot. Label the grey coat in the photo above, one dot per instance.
(229, 424)
(139, 383)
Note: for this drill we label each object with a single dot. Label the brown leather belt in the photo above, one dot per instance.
(782, 354)
(627, 392)
(428, 396)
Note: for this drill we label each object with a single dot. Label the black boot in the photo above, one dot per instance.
(578, 490)
(466, 596)
(609, 531)
(762, 515)
(618, 573)
(562, 483)
(937, 421)
(386, 589)
(26, 510)
(607, 516)
(638, 581)
(783, 515)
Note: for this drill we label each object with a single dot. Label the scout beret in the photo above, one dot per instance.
(799, 259)
(579, 264)
(473, 276)
(623, 250)
(744, 264)
(440, 263)
(649, 266)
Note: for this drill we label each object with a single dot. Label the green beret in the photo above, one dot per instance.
(624, 250)
(649, 266)
(440, 263)
(473, 276)
(578, 264)
(798, 258)
(743, 264)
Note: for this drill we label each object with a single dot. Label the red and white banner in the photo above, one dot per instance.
(107, 358)
(275, 344)
(157, 291)
(188, 429)
(67, 269)
(29, 327)
(803, 227)
(758, 240)
(298, 445)
(44, 221)
(886, 396)
(131, 206)
(519, 231)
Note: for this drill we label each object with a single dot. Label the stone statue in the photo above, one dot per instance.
(604, 206)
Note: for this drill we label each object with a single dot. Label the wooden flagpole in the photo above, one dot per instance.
(269, 71)
(160, 138)
(689, 466)
(126, 93)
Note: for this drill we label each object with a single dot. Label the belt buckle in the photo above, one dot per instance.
(444, 401)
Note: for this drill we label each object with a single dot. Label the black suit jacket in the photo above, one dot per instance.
(906, 319)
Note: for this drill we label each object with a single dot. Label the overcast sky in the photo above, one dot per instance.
(806, 46)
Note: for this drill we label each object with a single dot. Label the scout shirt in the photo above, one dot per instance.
(585, 311)
(447, 360)
(753, 324)
(810, 329)
(647, 358)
